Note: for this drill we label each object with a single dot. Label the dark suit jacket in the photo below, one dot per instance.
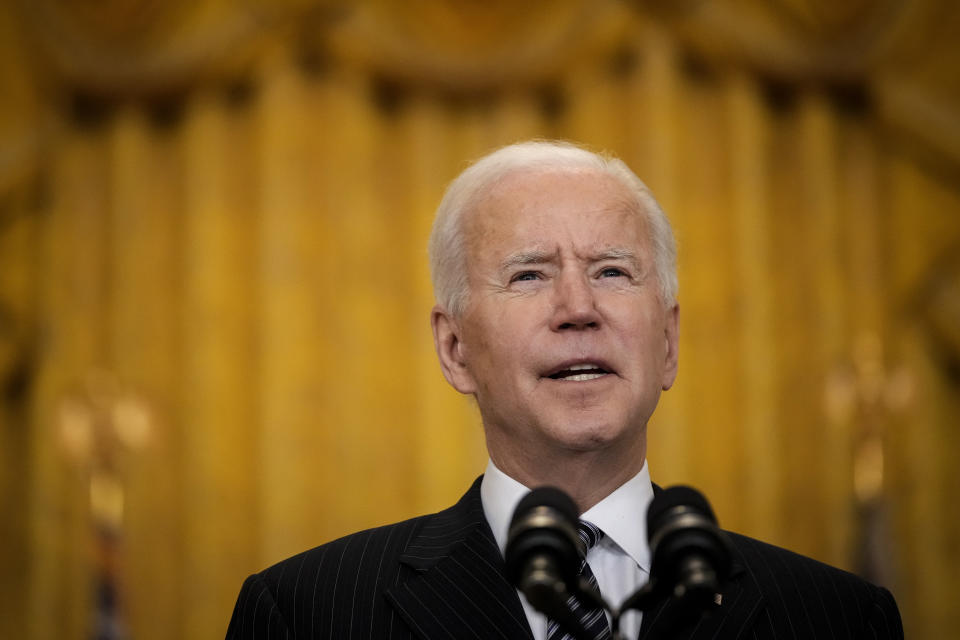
(442, 576)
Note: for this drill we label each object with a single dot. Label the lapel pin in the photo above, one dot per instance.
(718, 599)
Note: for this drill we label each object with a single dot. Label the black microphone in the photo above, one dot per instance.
(542, 554)
(690, 554)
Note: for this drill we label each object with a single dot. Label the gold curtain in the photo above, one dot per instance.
(223, 274)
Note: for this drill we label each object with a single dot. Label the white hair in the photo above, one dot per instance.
(448, 265)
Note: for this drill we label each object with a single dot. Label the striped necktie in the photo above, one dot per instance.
(594, 620)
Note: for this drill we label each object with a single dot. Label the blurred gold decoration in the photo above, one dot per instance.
(106, 500)
(840, 19)
(795, 38)
(101, 424)
(865, 393)
(467, 45)
(132, 421)
(899, 54)
(862, 397)
(868, 471)
(134, 47)
(76, 429)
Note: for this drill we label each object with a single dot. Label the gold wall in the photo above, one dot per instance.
(214, 294)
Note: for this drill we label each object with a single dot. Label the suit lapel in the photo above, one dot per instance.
(458, 589)
(740, 601)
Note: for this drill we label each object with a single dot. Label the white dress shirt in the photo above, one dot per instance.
(620, 561)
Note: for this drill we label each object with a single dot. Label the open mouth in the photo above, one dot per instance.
(579, 372)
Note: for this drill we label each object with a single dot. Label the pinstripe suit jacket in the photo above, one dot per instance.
(442, 576)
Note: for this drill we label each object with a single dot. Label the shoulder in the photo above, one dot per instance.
(327, 589)
(335, 584)
(771, 564)
(338, 589)
(807, 594)
(378, 551)
(344, 561)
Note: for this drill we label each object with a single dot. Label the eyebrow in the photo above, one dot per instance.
(526, 257)
(541, 257)
(616, 253)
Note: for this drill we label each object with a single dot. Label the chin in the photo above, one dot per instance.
(591, 436)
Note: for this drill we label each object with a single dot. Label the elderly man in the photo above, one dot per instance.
(554, 272)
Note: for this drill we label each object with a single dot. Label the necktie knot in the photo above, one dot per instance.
(590, 534)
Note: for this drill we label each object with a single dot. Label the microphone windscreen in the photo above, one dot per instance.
(544, 525)
(664, 501)
(542, 556)
(689, 556)
(547, 497)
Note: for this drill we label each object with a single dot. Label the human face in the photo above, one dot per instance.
(565, 341)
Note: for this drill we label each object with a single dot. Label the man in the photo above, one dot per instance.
(554, 273)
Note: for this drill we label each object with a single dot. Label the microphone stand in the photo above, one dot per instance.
(640, 600)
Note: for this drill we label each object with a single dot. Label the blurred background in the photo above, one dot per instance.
(214, 298)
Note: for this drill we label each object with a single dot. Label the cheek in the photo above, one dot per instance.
(510, 331)
(485, 353)
(647, 340)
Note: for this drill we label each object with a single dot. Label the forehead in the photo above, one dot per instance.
(584, 208)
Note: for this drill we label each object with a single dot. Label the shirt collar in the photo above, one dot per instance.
(621, 515)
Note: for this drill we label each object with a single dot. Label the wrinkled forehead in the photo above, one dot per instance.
(526, 201)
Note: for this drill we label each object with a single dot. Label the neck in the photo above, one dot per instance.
(586, 476)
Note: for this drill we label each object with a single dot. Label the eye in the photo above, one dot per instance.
(525, 275)
(612, 272)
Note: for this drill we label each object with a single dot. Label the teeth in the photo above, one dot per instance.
(590, 371)
(583, 377)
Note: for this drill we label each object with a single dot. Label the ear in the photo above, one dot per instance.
(450, 351)
(671, 336)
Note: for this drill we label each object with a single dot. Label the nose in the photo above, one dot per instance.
(575, 304)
